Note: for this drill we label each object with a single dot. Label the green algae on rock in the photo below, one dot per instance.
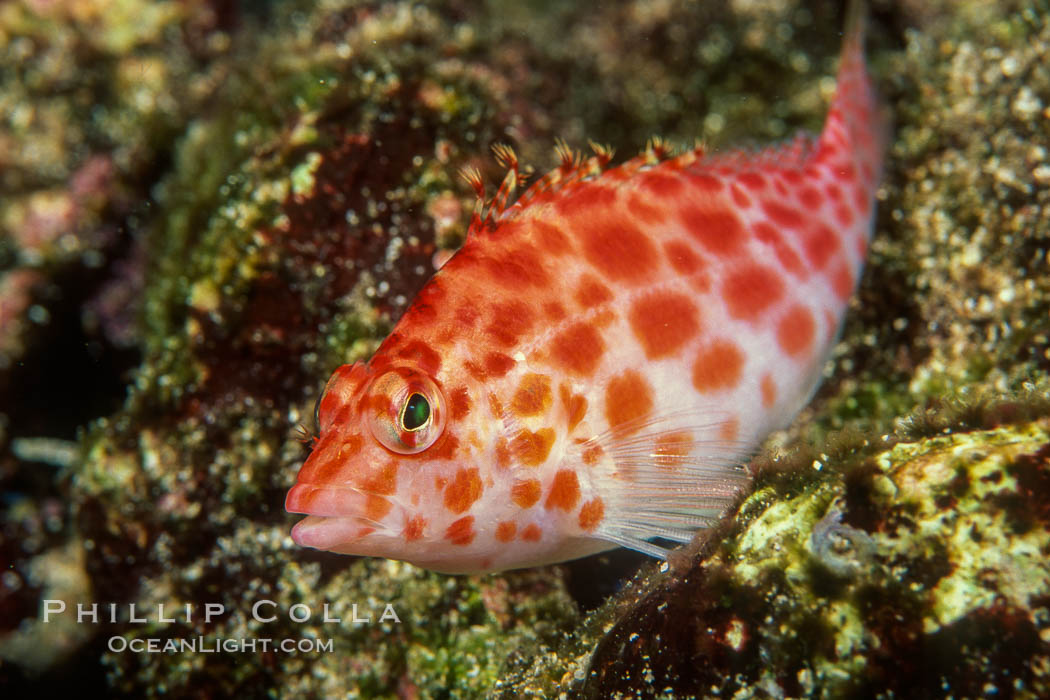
(922, 568)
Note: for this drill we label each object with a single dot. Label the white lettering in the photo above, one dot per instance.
(255, 611)
(353, 612)
(53, 607)
(212, 610)
(160, 614)
(131, 610)
(326, 616)
(81, 613)
(306, 614)
(389, 614)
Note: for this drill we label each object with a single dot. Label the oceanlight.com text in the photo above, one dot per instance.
(213, 645)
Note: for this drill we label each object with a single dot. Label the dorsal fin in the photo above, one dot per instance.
(473, 178)
(572, 168)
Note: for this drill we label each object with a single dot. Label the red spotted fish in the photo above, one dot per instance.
(594, 364)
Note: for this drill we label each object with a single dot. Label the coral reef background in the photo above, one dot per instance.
(205, 207)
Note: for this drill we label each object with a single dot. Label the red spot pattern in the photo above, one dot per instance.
(683, 258)
(752, 180)
(590, 292)
(844, 216)
(502, 450)
(414, 528)
(819, 245)
(740, 197)
(591, 514)
(506, 530)
(575, 406)
(459, 403)
(628, 397)
(565, 491)
(719, 365)
(578, 349)
(718, 230)
(663, 322)
(381, 481)
(588, 195)
(751, 289)
(769, 390)
(532, 448)
(834, 192)
(554, 311)
(520, 269)
(616, 248)
(796, 331)
(422, 354)
(551, 238)
(461, 532)
(533, 395)
(466, 317)
(497, 364)
(842, 280)
(782, 215)
(662, 184)
(781, 248)
(810, 197)
(510, 321)
(463, 491)
(592, 455)
(526, 493)
(531, 533)
(376, 507)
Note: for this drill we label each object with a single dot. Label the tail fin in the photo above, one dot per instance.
(855, 131)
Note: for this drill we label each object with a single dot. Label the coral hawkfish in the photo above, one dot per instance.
(594, 364)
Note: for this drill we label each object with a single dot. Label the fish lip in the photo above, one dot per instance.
(328, 500)
(329, 532)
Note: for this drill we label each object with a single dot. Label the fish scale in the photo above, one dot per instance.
(595, 363)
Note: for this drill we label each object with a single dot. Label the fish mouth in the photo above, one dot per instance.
(333, 534)
(334, 521)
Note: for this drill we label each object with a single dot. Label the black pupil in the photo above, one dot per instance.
(417, 411)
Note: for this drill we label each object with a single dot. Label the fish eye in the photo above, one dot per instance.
(416, 413)
(405, 410)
